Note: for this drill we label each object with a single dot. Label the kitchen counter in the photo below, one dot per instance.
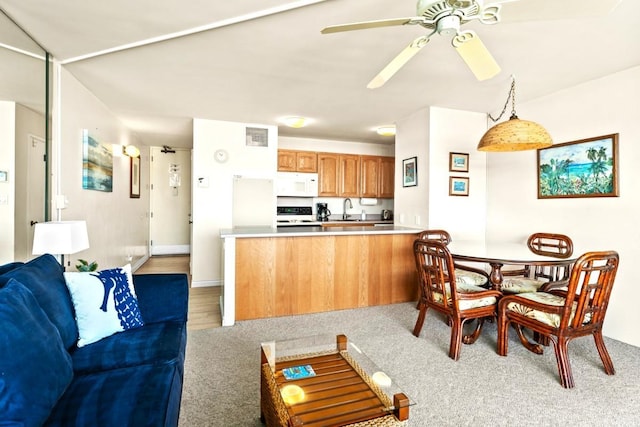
(335, 228)
(283, 271)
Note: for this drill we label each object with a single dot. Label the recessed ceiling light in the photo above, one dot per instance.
(295, 121)
(388, 130)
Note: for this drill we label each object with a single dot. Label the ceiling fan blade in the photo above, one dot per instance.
(368, 24)
(398, 62)
(476, 55)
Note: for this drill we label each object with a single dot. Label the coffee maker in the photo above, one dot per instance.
(322, 212)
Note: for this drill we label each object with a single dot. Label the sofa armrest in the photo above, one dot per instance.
(162, 297)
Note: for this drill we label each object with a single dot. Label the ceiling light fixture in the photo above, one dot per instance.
(514, 134)
(131, 150)
(296, 122)
(387, 130)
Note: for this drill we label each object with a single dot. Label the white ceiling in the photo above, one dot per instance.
(259, 70)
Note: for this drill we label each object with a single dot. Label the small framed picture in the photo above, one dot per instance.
(410, 172)
(459, 162)
(134, 178)
(458, 186)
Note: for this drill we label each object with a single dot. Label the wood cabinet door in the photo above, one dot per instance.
(369, 176)
(349, 175)
(306, 161)
(286, 161)
(387, 177)
(328, 174)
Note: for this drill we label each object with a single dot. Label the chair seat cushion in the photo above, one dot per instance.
(467, 304)
(518, 285)
(469, 277)
(550, 319)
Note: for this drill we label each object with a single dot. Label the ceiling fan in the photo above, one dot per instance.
(444, 17)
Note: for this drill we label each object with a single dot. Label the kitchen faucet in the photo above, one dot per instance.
(344, 208)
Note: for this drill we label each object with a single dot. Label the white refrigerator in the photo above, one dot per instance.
(254, 202)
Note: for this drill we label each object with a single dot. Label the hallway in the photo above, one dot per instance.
(204, 302)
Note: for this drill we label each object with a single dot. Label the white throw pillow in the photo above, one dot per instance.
(105, 303)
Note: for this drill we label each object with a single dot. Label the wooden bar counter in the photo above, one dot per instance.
(279, 272)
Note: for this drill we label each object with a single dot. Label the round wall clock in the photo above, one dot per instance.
(221, 155)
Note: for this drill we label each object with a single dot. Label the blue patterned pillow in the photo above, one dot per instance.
(105, 303)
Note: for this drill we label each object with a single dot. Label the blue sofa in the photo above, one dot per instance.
(131, 378)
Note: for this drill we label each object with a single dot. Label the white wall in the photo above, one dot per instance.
(334, 146)
(457, 131)
(604, 106)
(412, 140)
(430, 135)
(7, 189)
(118, 226)
(212, 204)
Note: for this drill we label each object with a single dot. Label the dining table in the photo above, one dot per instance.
(498, 254)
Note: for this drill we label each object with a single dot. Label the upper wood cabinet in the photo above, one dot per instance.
(377, 176)
(387, 177)
(297, 161)
(328, 175)
(345, 175)
(349, 175)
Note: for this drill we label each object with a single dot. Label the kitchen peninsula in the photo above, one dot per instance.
(271, 272)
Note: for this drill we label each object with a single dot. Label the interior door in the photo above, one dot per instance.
(35, 198)
(170, 222)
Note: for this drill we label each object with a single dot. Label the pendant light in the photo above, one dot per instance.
(514, 134)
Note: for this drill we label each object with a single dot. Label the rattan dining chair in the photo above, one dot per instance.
(533, 278)
(464, 273)
(562, 315)
(440, 291)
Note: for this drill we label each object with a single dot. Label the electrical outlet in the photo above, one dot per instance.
(417, 220)
(401, 218)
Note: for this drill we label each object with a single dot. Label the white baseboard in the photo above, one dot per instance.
(206, 283)
(170, 249)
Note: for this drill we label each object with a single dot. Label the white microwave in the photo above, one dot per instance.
(294, 184)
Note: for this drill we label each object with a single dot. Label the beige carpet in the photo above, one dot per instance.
(482, 389)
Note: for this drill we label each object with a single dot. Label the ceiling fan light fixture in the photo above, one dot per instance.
(295, 122)
(387, 130)
(514, 134)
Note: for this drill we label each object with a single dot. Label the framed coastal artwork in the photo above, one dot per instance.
(458, 186)
(584, 168)
(458, 162)
(410, 172)
(97, 164)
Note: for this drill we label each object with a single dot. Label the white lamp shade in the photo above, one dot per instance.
(60, 237)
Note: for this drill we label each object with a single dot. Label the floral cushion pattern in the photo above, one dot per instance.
(550, 319)
(519, 285)
(469, 277)
(466, 304)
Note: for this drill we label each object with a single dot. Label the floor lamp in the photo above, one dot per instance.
(60, 238)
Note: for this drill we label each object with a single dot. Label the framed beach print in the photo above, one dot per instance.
(458, 186)
(134, 178)
(584, 168)
(459, 162)
(97, 164)
(410, 172)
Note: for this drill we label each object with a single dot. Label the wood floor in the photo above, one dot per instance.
(204, 303)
